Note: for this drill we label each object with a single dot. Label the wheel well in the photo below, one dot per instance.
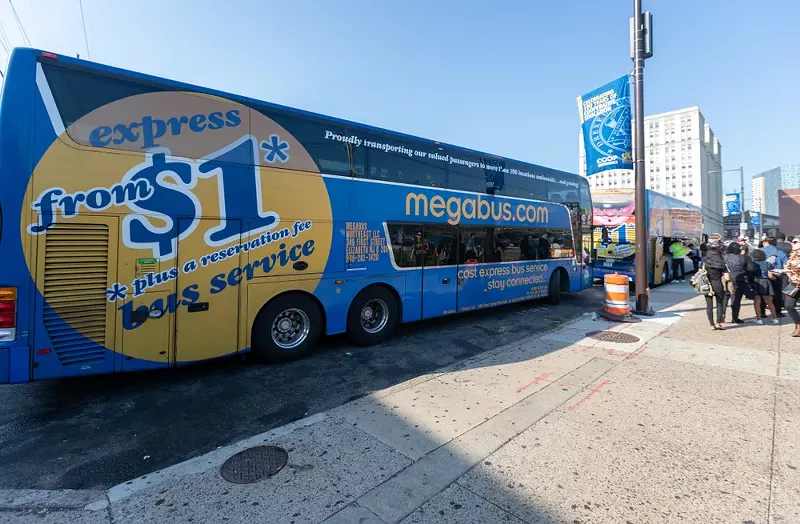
(564, 279)
(389, 288)
(293, 292)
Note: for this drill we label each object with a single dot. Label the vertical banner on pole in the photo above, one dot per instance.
(605, 115)
(732, 204)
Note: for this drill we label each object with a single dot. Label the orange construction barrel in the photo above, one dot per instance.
(617, 288)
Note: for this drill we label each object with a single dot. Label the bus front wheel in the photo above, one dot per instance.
(373, 316)
(287, 328)
(554, 288)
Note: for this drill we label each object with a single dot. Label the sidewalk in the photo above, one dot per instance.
(678, 423)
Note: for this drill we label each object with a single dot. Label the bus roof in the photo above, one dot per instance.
(85, 64)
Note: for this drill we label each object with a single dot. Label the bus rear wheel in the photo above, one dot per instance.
(554, 288)
(287, 328)
(373, 316)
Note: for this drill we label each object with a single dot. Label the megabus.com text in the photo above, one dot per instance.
(458, 207)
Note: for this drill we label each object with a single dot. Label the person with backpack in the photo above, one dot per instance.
(762, 286)
(708, 281)
(741, 269)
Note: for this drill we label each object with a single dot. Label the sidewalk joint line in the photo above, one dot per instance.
(462, 486)
(774, 430)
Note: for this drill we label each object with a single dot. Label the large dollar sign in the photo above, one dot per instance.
(170, 198)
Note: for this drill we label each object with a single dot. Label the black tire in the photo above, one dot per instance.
(384, 316)
(554, 288)
(297, 309)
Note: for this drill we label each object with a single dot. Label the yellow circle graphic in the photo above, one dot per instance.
(171, 200)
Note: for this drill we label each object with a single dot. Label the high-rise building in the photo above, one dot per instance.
(767, 184)
(682, 159)
(789, 211)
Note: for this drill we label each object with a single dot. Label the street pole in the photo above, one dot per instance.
(743, 222)
(640, 260)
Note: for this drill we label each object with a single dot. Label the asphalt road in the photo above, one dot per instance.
(96, 432)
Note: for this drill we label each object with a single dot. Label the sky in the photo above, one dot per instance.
(500, 77)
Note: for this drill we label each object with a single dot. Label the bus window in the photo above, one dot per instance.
(393, 160)
(472, 246)
(325, 143)
(408, 246)
(465, 177)
(78, 93)
(512, 243)
(442, 243)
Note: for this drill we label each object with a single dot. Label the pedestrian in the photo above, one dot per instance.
(678, 252)
(744, 245)
(741, 268)
(762, 286)
(783, 245)
(704, 246)
(776, 258)
(714, 265)
(694, 256)
(791, 293)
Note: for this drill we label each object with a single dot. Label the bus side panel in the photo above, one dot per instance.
(488, 285)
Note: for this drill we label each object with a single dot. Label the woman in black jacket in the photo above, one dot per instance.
(714, 265)
(741, 268)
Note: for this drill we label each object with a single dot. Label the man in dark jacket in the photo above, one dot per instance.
(782, 244)
(740, 267)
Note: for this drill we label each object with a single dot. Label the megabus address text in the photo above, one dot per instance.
(457, 208)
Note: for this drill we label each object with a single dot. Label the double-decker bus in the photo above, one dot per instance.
(148, 223)
(668, 220)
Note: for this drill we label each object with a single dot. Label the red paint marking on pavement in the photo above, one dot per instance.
(615, 353)
(589, 395)
(636, 353)
(538, 378)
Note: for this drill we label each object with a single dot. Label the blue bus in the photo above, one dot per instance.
(148, 223)
(668, 220)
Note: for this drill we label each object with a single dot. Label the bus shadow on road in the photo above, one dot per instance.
(95, 432)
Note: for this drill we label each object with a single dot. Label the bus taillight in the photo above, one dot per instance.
(8, 313)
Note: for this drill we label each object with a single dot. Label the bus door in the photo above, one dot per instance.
(438, 252)
(474, 251)
(207, 320)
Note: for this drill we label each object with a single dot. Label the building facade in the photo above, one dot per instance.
(682, 159)
(766, 185)
(769, 226)
(789, 211)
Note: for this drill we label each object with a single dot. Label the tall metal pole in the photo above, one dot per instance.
(640, 261)
(743, 222)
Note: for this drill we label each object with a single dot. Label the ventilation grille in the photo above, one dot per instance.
(75, 283)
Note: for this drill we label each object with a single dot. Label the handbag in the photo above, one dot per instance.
(727, 283)
(792, 290)
(701, 283)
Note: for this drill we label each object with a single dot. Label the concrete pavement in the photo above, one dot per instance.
(672, 423)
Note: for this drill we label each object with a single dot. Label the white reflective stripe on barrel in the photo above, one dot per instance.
(616, 303)
(617, 288)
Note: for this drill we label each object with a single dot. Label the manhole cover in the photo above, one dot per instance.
(254, 464)
(613, 336)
